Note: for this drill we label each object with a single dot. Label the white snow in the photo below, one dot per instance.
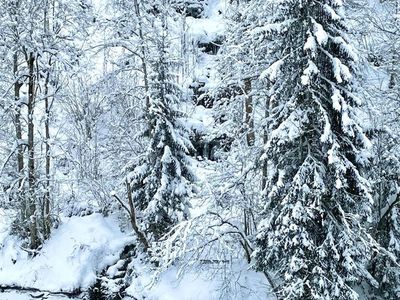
(328, 9)
(336, 99)
(327, 129)
(310, 45)
(200, 118)
(272, 71)
(271, 28)
(308, 72)
(215, 283)
(204, 30)
(320, 34)
(209, 28)
(338, 184)
(336, 69)
(281, 177)
(288, 130)
(79, 248)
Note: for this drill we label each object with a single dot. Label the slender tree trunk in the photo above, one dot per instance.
(18, 134)
(143, 59)
(34, 243)
(249, 120)
(265, 139)
(46, 200)
(250, 139)
(132, 215)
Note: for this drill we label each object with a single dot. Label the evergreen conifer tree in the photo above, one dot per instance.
(317, 201)
(162, 180)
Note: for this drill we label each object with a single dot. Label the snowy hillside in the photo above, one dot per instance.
(199, 149)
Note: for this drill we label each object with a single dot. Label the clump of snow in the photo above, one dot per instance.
(336, 69)
(207, 29)
(69, 260)
(288, 130)
(320, 34)
(336, 99)
(327, 129)
(272, 71)
(200, 119)
(331, 12)
(311, 70)
(310, 44)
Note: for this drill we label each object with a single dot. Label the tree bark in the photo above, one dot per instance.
(46, 200)
(34, 242)
(143, 59)
(249, 120)
(132, 210)
(18, 135)
(265, 140)
(250, 139)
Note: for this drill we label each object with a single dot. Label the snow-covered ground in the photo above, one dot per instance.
(82, 246)
(232, 283)
(79, 248)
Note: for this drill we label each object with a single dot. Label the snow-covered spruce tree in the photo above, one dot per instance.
(316, 200)
(162, 180)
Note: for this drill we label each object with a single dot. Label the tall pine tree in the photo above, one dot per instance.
(316, 199)
(162, 180)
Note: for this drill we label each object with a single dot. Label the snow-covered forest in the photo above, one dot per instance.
(199, 149)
